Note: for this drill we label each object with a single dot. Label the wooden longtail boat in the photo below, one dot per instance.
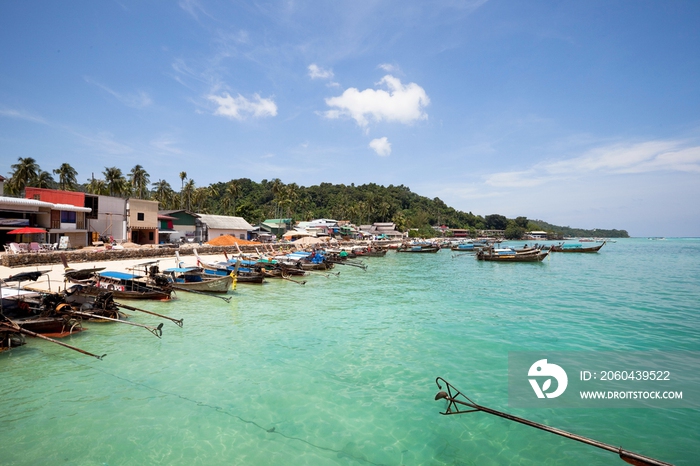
(122, 285)
(465, 247)
(509, 255)
(194, 279)
(418, 248)
(245, 271)
(575, 248)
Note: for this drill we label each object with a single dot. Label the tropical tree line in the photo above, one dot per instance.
(361, 205)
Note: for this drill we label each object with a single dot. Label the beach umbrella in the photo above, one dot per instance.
(292, 233)
(26, 231)
(308, 241)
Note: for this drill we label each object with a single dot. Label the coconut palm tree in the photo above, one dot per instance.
(44, 180)
(291, 197)
(183, 177)
(139, 179)
(24, 172)
(187, 194)
(116, 183)
(163, 193)
(97, 186)
(199, 200)
(67, 177)
(231, 193)
(277, 189)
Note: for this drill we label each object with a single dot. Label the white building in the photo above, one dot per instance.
(212, 226)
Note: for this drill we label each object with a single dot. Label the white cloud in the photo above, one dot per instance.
(316, 72)
(139, 99)
(402, 103)
(389, 68)
(644, 157)
(20, 115)
(104, 142)
(381, 146)
(240, 108)
(166, 143)
(193, 8)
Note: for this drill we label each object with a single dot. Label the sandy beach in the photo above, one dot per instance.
(52, 280)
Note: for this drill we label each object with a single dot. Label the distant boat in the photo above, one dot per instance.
(575, 248)
(418, 247)
(465, 247)
(511, 255)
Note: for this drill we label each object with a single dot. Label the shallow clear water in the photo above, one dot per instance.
(342, 370)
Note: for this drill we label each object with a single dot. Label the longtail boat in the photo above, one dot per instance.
(510, 255)
(194, 279)
(418, 247)
(245, 271)
(576, 248)
(123, 285)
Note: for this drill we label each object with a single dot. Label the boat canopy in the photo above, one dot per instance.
(119, 275)
(181, 269)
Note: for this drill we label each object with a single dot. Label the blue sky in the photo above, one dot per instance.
(584, 114)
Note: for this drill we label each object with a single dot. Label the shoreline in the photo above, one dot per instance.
(52, 280)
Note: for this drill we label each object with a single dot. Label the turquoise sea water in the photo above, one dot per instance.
(341, 371)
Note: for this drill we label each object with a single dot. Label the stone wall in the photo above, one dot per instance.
(99, 255)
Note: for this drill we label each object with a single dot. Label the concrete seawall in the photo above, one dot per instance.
(100, 255)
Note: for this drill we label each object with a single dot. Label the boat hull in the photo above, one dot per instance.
(518, 257)
(93, 290)
(576, 249)
(215, 284)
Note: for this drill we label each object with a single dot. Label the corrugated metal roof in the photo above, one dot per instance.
(18, 201)
(71, 208)
(224, 222)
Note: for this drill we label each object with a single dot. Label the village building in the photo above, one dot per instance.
(212, 226)
(178, 226)
(142, 221)
(381, 230)
(65, 219)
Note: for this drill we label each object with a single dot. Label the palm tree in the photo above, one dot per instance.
(187, 194)
(183, 177)
(277, 191)
(67, 177)
(231, 193)
(162, 193)
(44, 180)
(24, 173)
(383, 210)
(291, 197)
(97, 186)
(116, 183)
(199, 198)
(399, 220)
(139, 179)
(354, 212)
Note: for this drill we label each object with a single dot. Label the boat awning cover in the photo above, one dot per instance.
(119, 275)
(180, 269)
